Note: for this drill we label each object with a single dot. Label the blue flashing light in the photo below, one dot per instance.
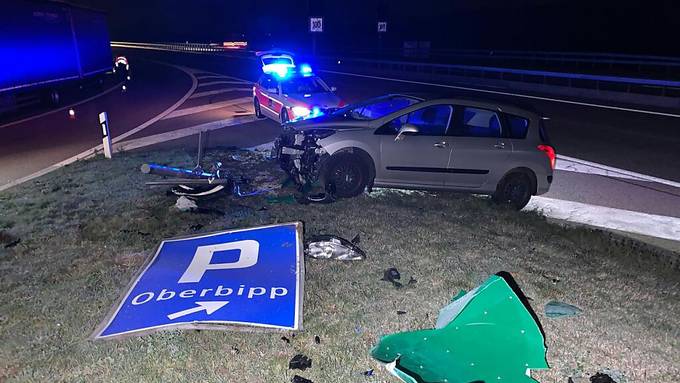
(305, 69)
(278, 69)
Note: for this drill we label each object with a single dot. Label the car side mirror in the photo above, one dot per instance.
(405, 130)
(334, 88)
(272, 90)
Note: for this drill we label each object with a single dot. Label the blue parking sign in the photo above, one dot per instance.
(251, 277)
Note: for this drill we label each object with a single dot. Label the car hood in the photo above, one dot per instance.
(322, 100)
(329, 121)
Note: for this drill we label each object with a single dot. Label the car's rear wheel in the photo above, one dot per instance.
(346, 175)
(514, 190)
(284, 116)
(258, 109)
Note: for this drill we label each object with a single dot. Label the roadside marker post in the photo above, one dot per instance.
(236, 279)
(106, 136)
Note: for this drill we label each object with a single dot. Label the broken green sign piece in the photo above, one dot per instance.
(491, 335)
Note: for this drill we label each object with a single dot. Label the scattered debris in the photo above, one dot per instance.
(400, 312)
(412, 281)
(555, 309)
(300, 362)
(507, 349)
(283, 338)
(235, 350)
(317, 340)
(8, 240)
(323, 197)
(392, 275)
(185, 204)
(196, 227)
(357, 239)
(333, 247)
(299, 379)
(552, 278)
(368, 372)
(601, 378)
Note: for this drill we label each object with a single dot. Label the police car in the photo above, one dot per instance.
(287, 92)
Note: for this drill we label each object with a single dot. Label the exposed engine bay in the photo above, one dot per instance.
(301, 157)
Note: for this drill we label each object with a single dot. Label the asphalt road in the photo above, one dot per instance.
(642, 143)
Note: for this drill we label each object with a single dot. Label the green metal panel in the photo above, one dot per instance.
(491, 337)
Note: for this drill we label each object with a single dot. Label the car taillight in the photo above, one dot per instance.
(550, 152)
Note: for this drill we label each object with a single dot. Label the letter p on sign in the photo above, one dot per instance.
(201, 261)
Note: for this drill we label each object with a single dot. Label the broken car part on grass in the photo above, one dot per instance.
(555, 309)
(485, 335)
(198, 183)
(333, 247)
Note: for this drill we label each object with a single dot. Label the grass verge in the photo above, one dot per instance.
(85, 229)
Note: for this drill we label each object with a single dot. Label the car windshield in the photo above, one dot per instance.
(376, 108)
(304, 85)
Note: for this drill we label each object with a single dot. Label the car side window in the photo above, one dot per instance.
(477, 123)
(430, 121)
(267, 82)
(518, 126)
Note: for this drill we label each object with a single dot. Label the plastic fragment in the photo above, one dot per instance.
(368, 372)
(299, 379)
(300, 362)
(400, 312)
(489, 334)
(333, 247)
(185, 204)
(283, 338)
(412, 281)
(601, 378)
(392, 275)
(317, 340)
(555, 309)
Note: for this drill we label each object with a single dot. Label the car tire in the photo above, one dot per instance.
(258, 108)
(284, 116)
(345, 175)
(514, 190)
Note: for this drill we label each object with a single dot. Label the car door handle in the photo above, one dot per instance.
(442, 144)
(500, 145)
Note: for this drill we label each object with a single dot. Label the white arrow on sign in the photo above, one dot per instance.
(209, 307)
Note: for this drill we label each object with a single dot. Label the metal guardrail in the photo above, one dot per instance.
(668, 88)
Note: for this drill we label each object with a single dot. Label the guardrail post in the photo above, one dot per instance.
(106, 137)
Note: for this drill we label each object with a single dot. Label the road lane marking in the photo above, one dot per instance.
(181, 133)
(231, 82)
(629, 221)
(93, 151)
(207, 107)
(219, 91)
(117, 86)
(506, 94)
(571, 164)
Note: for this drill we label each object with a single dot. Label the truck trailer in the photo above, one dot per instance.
(46, 46)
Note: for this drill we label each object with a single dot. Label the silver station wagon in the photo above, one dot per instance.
(406, 142)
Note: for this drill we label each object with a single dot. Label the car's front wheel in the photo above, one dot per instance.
(284, 116)
(514, 190)
(346, 175)
(257, 107)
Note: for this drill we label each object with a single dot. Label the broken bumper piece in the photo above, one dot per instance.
(489, 334)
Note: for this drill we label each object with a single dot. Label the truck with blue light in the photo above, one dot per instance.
(45, 44)
(289, 92)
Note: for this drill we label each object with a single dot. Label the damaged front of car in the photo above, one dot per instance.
(305, 148)
(336, 153)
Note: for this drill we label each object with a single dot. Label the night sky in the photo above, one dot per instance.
(624, 26)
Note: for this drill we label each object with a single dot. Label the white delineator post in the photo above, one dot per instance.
(106, 137)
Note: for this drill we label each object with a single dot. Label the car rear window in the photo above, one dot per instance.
(519, 126)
